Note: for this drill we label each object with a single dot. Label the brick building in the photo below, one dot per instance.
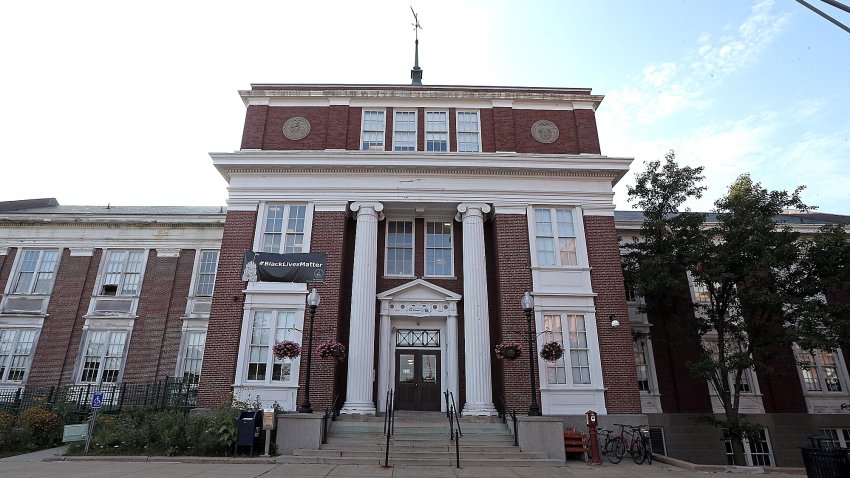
(437, 207)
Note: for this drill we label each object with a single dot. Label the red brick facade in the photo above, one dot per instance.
(225, 326)
(615, 343)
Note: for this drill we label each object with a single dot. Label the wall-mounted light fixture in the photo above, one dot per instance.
(614, 322)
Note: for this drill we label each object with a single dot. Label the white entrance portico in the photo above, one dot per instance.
(418, 306)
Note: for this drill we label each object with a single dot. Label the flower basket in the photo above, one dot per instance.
(331, 349)
(508, 350)
(286, 349)
(551, 351)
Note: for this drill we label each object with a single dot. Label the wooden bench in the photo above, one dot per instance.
(575, 442)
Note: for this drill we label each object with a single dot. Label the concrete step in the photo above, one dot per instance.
(405, 454)
(465, 448)
(416, 461)
(354, 439)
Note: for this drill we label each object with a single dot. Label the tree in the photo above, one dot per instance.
(766, 285)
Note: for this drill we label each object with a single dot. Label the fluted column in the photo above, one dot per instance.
(476, 314)
(452, 350)
(361, 338)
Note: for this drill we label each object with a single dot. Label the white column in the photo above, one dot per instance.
(385, 357)
(451, 362)
(361, 338)
(476, 314)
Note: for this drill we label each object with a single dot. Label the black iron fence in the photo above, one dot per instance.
(166, 394)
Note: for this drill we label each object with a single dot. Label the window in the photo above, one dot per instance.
(642, 365)
(701, 294)
(756, 453)
(820, 370)
(549, 234)
(104, 356)
(436, 131)
(15, 349)
(731, 349)
(404, 131)
(576, 357)
(35, 272)
(122, 274)
(468, 136)
(205, 280)
(399, 248)
(372, 137)
(438, 249)
(839, 437)
(267, 328)
(193, 355)
(289, 240)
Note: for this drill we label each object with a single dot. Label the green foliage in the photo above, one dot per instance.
(34, 429)
(765, 282)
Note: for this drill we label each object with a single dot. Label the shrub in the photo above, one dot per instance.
(39, 428)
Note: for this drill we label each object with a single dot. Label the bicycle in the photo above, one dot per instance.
(605, 440)
(646, 443)
(616, 447)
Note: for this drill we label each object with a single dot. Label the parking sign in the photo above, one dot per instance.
(97, 400)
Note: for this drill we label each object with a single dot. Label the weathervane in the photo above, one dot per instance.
(416, 72)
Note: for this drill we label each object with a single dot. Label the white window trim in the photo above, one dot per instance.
(189, 326)
(748, 452)
(448, 130)
(415, 129)
(196, 273)
(10, 284)
(245, 349)
(582, 262)
(15, 383)
(652, 376)
(413, 248)
(840, 437)
(101, 272)
(425, 245)
(262, 214)
(842, 375)
(102, 325)
(457, 132)
(383, 131)
(594, 363)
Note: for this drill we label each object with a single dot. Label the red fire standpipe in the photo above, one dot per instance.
(592, 423)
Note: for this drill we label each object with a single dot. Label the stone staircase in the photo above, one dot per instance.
(420, 438)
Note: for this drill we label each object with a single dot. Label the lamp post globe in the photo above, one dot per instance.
(528, 308)
(313, 300)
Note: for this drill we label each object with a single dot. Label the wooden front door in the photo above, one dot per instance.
(417, 380)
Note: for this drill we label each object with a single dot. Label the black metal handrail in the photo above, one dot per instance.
(329, 416)
(389, 423)
(509, 411)
(454, 421)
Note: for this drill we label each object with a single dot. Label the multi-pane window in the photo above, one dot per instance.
(701, 295)
(267, 328)
(280, 239)
(436, 131)
(468, 131)
(840, 437)
(193, 355)
(576, 360)
(15, 349)
(205, 281)
(372, 137)
(122, 273)
(821, 371)
(35, 272)
(404, 131)
(399, 248)
(731, 349)
(103, 356)
(756, 452)
(438, 248)
(641, 365)
(555, 237)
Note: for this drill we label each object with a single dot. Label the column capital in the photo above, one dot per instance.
(371, 208)
(465, 209)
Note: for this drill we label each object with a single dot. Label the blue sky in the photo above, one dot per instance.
(120, 103)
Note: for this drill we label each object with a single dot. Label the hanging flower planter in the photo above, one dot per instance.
(286, 349)
(331, 349)
(508, 350)
(551, 351)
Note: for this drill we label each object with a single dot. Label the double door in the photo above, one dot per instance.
(417, 380)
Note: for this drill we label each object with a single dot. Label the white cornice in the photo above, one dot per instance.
(514, 164)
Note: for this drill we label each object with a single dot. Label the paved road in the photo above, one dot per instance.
(31, 465)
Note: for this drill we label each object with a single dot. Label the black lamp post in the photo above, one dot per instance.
(528, 307)
(312, 301)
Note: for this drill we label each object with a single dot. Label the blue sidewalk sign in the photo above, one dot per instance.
(97, 400)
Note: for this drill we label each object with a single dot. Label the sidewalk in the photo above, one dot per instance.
(31, 465)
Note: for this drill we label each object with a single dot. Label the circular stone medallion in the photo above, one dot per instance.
(544, 131)
(296, 128)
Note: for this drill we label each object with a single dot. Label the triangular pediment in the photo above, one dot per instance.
(419, 290)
